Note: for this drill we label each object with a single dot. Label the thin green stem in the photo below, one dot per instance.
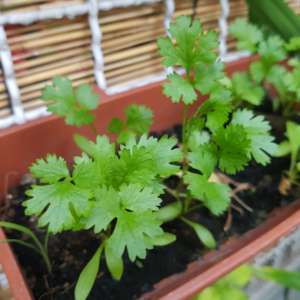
(288, 109)
(184, 139)
(187, 202)
(22, 243)
(182, 195)
(94, 129)
(194, 207)
(46, 242)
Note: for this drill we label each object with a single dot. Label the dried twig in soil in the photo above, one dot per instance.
(227, 225)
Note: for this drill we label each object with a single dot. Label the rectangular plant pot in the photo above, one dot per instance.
(21, 145)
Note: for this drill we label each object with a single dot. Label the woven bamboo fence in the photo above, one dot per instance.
(90, 41)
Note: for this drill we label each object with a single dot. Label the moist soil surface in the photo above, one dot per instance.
(70, 251)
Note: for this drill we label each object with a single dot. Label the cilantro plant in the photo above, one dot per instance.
(264, 73)
(291, 146)
(229, 147)
(104, 186)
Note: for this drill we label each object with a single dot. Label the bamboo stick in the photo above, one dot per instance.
(136, 75)
(132, 43)
(132, 23)
(35, 104)
(46, 24)
(45, 33)
(3, 96)
(47, 50)
(43, 69)
(2, 87)
(112, 66)
(9, 3)
(55, 72)
(130, 61)
(129, 15)
(133, 37)
(51, 58)
(134, 67)
(4, 103)
(130, 53)
(121, 33)
(52, 40)
(43, 6)
(5, 112)
(41, 85)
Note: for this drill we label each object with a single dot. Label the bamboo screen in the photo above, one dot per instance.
(110, 42)
(43, 50)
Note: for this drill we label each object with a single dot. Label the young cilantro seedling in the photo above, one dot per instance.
(265, 72)
(252, 86)
(291, 146)
(104, 186)
(230, 147)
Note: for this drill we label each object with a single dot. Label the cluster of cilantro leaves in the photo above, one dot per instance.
(139, 118)
(231, 146)
(105, 187)
(252, 86)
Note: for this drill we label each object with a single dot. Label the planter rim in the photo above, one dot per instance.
(44, 133)
(225, 266)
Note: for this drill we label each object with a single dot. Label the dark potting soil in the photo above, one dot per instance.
(70, 251)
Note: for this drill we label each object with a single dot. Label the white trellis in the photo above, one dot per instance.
(92, 8)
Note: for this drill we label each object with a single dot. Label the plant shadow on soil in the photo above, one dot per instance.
(70, 251)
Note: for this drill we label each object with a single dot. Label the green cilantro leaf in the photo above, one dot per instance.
(52, 170)
(84, 95)
(257, 71)
(86, 174)
(273, 75)
(292, 81)
(139, 118)
(102, 151)
(216, 108)
(158, 188)
(60, 196)
(215, 196)
(195, 124)
(126, 136)
(162, 154)
(293, 45)
(116, 125)
(131, 225)
(272, 51)
(233, 144)
(133, 166)
(257, 131)
(186, 36)
(244, 88)
(203, 161)
(248, 35)
(179, 87)
(230, 146)
(75, 112)
(206, 75)
(197, 138)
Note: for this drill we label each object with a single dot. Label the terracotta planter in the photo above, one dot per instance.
(22, 145)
